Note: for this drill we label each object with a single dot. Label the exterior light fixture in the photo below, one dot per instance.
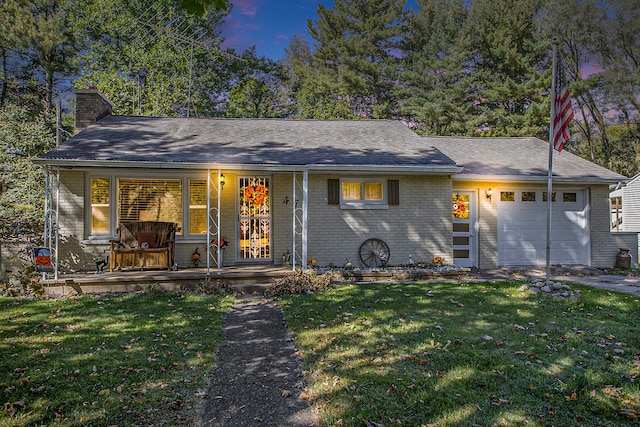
(489, 193)
(222, 181)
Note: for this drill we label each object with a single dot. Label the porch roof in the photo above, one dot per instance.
(518, 160)
(178, 142)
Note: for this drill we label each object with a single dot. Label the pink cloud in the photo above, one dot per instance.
(247, 7)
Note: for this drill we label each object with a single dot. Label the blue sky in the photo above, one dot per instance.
(268, 24)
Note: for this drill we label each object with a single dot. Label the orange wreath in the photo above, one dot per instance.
(255, 194)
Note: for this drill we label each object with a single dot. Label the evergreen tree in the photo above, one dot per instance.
(40, 40)
(357, 42)
(153, 58)
(509, 86)
(308, 88)
(434, 80)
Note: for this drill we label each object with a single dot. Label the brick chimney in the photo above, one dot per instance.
(91, 106)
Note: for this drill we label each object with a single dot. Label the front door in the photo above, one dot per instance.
(464, 224)
(254, 221)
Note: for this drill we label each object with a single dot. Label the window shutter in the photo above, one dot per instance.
(393, 191)
(333, 193)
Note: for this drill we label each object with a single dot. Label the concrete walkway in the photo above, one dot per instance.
(258, 379)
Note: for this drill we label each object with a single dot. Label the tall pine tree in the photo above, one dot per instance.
(357, 44)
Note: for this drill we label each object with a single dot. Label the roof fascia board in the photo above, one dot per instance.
(429, 169)
(83, 164)
(533, 179)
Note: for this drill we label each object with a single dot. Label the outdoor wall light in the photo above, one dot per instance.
(489, 193)
(222, 181)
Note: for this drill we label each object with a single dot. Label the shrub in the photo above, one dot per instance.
(299, 283)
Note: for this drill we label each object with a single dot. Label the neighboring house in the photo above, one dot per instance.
(319, 189)
(625, 205)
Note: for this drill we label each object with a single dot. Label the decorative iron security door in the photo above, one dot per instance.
(255, 219)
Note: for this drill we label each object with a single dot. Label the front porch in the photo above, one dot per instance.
(243, 279)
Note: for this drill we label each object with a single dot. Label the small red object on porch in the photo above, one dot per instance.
(195, 258)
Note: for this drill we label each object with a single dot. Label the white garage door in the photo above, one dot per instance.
(522, 227)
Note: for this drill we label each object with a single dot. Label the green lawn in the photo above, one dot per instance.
(136, 359)
(446, 354)
(452, 354)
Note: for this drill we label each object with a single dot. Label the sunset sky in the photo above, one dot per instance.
(268, 24)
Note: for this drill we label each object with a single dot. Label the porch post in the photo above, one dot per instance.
(57, 226)
(51, 219)
(300, 201)
(305, 210)
(213, 220)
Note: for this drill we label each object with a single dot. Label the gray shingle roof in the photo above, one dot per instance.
(515, 159)
(248, 142)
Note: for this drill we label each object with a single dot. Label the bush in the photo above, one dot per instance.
(299, 283)
(25, 283)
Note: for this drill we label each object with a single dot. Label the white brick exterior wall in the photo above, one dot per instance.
(419, 226)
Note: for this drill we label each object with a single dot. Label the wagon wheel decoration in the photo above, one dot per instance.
(374, 253)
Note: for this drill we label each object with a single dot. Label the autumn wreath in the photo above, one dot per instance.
(255, 194)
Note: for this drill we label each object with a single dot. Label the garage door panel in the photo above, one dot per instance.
(522, 230)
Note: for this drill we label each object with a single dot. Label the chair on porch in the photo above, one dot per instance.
(143, 245)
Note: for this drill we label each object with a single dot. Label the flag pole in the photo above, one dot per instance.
(550, 168)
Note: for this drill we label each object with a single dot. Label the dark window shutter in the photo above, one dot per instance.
(333, 195)
(393, 190)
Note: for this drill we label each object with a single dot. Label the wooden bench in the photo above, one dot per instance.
(143, 245)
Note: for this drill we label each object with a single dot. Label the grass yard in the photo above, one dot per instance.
(481, 354)
(135, 359)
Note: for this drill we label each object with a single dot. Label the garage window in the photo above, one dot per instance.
(528, 196)
(569, 197)
(507, 196)
(553, 196)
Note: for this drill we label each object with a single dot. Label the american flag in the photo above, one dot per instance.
(563, 114)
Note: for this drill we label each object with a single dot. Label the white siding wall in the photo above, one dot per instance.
(631, 206)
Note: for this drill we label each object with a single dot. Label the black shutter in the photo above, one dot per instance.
(393, 191)
(333, 191)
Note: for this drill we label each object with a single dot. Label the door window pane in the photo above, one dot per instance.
(528, 196)
(460, 209)
(569, 197)
(461, 227)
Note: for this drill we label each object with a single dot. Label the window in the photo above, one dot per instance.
(507, 196)
(528, 196)
(362, 190)
(569, 197)
(150, 200)
(356, 193)
(197, 206)
(553, 196)
(100, 206)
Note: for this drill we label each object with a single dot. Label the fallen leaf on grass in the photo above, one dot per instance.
(286, 393)
(573, 396)
(609, 389)
(629, 413)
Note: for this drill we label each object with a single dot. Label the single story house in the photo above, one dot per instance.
(308, 189)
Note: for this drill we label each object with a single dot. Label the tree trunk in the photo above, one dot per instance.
(3, 89)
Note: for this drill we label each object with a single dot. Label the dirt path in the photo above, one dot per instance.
(258, 378)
